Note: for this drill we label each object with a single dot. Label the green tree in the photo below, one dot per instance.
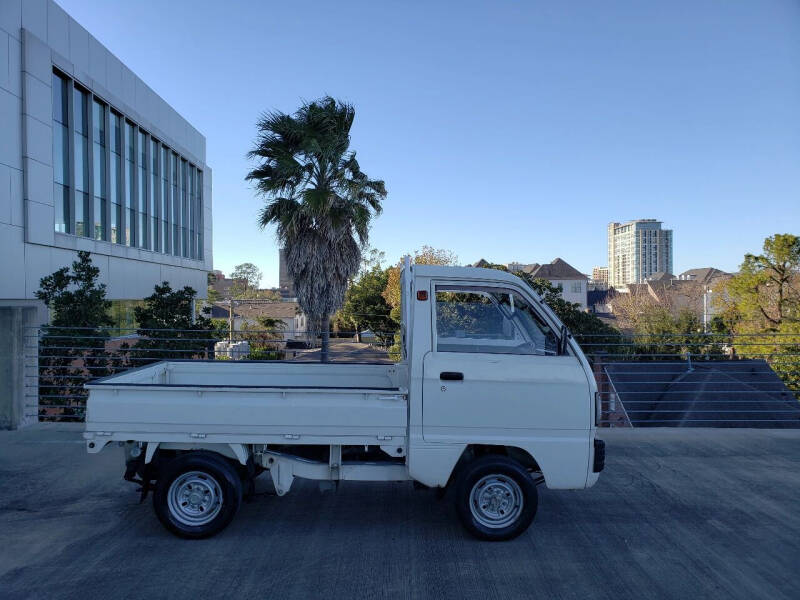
(168, 329)
(393, 294)
(319, 200)
(72, 348)
(213, 294)
(246, 280)
(761, 305)
(366, 308)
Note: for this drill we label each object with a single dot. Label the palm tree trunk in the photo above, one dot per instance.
(324, 352)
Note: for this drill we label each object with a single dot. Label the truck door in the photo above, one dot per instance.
(494, 371)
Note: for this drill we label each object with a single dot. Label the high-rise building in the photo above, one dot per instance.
(636, 250)
(600, 275)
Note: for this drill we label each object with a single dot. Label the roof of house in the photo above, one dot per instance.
(530, 268)
(661, 276)
(703, 275)
(255, 310)
(558, 269)
(715, 393)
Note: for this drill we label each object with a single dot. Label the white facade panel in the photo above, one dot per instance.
(34, 17)
(58, 29)
(38, 219)
(17, 206)
(5, 59)
(37, 58)
(38, 101)
(12, 284)
(78, 46)
(37, 142)
(5, 194)
(14, 66)
(38, 182)
(11, 17)
(98, 56)
(11, 126)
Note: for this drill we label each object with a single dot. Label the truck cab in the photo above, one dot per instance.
(491, 398)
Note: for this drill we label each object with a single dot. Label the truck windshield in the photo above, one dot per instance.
(490, 320)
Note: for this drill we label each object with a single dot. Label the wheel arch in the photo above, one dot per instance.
(473, 451)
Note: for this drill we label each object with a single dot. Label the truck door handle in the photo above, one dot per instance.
(451, 376)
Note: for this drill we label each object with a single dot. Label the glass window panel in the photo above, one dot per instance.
(61, 199)
(130, 179)
(116, 220)
(183, 190)
(81, 213)
(60, 96)
(98, 123)
(116, 133)
(81, 163)
(99, 170)
(80, 107)
(99, 218)
(176, 209)
(489, 320)
(165, 200)
(200, 213)
(60, 154)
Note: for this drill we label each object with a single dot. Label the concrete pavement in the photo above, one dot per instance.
(678, 513)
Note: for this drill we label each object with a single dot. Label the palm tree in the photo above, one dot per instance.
(319, 200)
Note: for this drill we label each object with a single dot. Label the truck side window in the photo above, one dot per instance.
(489, 320)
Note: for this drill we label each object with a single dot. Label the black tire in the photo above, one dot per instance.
(211, 474)
(495, 475)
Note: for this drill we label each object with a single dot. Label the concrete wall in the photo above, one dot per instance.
(17, 344)
(36, 35)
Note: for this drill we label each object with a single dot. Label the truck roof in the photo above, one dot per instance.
(465, 273)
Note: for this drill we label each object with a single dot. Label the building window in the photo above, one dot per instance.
(575, 287)
(115, 178)
(154, 187)
(112, 181)
(184, 209)
(165, 200)
(63, 222)
(130, 181)
(176, 209)
(192, 211)
(200, 221)
(80, 107)
(141, 224)
(99, 170)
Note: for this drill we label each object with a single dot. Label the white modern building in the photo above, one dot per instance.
(636, 250)
(91, 159)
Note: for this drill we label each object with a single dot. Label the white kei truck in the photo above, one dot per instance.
(491, 398)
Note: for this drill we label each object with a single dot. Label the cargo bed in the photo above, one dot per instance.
(249, 403)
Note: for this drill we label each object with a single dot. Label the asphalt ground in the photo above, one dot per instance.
(678, 513)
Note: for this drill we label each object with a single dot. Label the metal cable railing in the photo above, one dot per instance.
(694, 379)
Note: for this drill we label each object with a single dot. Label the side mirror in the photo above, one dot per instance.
(562, 341)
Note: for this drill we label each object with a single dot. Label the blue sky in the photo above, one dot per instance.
(509, 131)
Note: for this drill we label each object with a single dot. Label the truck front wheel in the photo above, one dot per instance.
(197, 494)
(496, 498)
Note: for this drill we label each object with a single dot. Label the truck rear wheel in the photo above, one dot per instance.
(197, 494)
(496, 498)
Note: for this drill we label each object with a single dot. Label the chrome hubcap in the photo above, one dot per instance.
(496, 501)
(194, 498)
